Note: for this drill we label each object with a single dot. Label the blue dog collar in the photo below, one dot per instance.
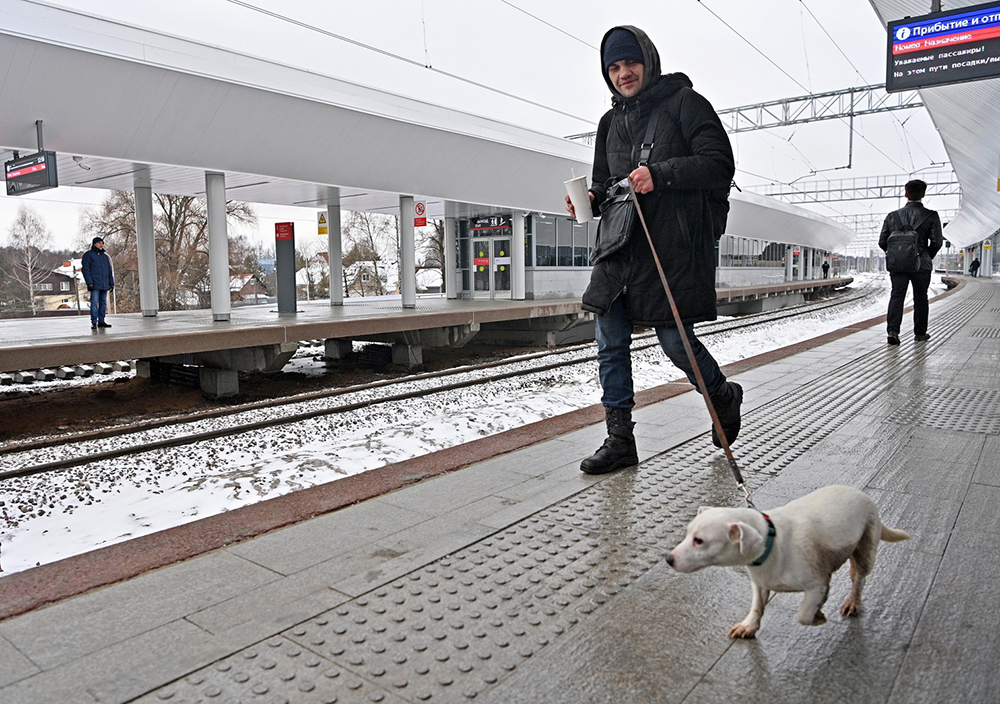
(771, 532)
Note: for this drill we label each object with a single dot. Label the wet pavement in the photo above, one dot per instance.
(519, 579)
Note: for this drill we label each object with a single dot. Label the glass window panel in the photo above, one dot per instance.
(564, 242)
(545, 242)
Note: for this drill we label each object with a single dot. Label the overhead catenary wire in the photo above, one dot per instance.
(793, 79)
(404, 59)
(754, 47)
(864, 78)
(558, 29)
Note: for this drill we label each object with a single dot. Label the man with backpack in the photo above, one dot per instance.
(668, 141)
(910, 238)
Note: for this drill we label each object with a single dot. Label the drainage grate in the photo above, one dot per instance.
(985, 332)
(967, 410)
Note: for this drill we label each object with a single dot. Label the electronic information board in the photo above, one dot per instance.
(27, 174)
(944, 47)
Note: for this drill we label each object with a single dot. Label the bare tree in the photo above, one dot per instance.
(372, 238)
(28, 238)
(431, 246)
(180, 229)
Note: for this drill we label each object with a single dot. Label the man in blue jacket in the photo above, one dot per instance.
(100, 278)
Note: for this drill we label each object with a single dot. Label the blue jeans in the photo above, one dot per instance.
(98, 306)
(614, 358)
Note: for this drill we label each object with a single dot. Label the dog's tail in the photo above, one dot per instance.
(891, 535)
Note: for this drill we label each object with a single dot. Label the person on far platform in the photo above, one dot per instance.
(100, 278)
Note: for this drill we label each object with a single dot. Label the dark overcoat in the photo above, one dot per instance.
(97, 271)
(692, 166)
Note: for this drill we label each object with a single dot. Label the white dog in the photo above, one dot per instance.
(794, 548)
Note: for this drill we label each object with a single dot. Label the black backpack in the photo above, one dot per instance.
(902, 252)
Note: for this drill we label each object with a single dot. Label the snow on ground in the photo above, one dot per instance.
(52, 516)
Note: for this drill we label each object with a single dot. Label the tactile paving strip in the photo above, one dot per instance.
(452, 629)
(276, 671)
(985, 332)
(966, 410)
(449, 631)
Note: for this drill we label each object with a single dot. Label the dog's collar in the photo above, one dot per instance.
(771, 532)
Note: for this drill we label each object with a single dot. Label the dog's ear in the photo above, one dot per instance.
(751, 542)
(702, 509)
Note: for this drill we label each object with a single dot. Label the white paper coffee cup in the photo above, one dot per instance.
(579, 196)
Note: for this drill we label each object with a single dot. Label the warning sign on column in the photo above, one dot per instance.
(419, 214)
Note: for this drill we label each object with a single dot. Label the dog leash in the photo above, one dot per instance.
(691, 358)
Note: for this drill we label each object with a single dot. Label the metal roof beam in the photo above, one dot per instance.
(865, 100)
(939, 183)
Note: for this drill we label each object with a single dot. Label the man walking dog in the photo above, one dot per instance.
(670, 144)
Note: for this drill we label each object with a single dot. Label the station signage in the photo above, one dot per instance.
(420, 214)
(284, 230)
(490, 222)
(322, 228)
(944, 47)
(32, 173)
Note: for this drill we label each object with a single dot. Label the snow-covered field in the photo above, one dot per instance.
(52, 516)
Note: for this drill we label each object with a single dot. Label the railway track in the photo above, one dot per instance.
(67, 451)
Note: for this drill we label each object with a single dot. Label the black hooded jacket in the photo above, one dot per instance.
(692, 166)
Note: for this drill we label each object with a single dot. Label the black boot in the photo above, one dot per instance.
(619, 449)
(726, 402)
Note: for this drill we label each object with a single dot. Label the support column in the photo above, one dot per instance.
(517, 257)
(407, 253)
(788, 262)
(145, 241)
(808, 253)
(451, 286)
(218, 246)
(335, 246)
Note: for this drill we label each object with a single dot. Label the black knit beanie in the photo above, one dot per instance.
(621, 45)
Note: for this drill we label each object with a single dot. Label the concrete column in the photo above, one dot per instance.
(335, 246)
(986, 261)
(452, 286)
(788, 262)
(517, 257)
(407, 253)
(808, 253)
(218, 246)
(145, 240)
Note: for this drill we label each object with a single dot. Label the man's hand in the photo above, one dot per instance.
(569, 204)
(90, 287)
(642, 180)
(111, 287)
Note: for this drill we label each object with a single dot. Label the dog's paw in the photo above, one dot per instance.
(819, 619)
(744, 630)
(850, 607)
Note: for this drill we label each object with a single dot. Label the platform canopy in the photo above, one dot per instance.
(118, 102)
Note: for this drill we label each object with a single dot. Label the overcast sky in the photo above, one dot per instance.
(736, 52)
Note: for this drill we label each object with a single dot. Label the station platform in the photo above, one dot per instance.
(52, 342)
(516, 579)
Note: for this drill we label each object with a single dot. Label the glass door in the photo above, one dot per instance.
(481, 268)
(491, 267)
(501, 268)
